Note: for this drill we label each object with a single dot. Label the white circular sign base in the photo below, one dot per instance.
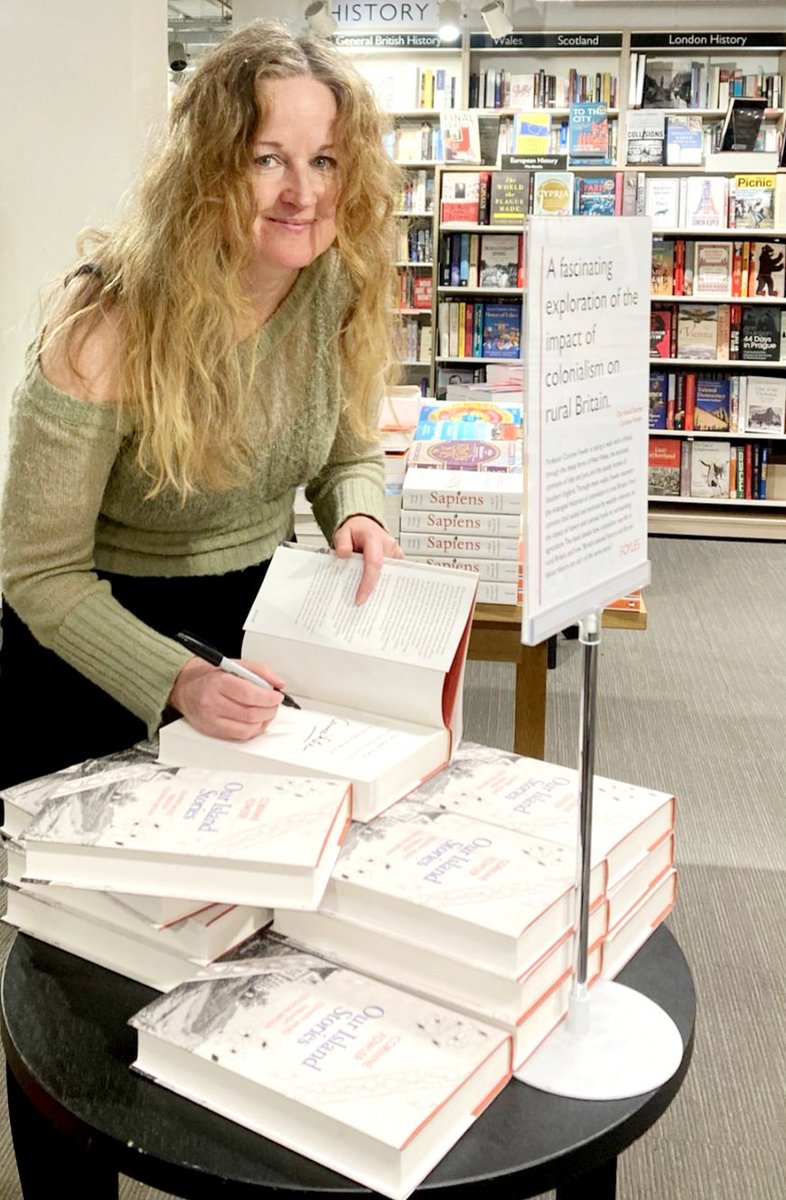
(631, 1046)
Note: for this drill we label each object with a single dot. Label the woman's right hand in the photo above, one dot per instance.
(222, 705)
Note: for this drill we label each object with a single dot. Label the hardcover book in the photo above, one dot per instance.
(460, 197)
(766, 404)
(475, 455)
(460, 135)
(754, 201)
(660, 333)
(553, 193)
(597, 196)
(481, 892)
(706, 202)
(238, 837)
(621, 944)
(531, 133)
(470, 420)
(659, 392)
(661, 201)
(662, 271)
(760, 333)
(697, 331)
(499, 260)
(540, 798)
(712, 264)
(509, 203)
(709, 465)
(588, 133)
(379, 685)
(362, 1077)
(663, 471)
(461, 491)
(684, 140)
(645, 137)
(712, 405)
(666, 84)
(767, 271)
(501, 330)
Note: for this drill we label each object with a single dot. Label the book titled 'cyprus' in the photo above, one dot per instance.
(239, 837)
(365, 1079)
(380, 684)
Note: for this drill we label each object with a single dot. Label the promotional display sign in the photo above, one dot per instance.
(586, 424)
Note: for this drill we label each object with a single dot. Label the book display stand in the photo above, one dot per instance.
(615, 1042)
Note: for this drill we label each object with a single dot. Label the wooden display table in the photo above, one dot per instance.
(496, 637)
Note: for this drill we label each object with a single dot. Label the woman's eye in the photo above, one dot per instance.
(266, 160)
(325, 163)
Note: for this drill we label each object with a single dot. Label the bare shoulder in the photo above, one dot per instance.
(87, 368)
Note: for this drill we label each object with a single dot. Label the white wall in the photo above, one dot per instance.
(82, 85)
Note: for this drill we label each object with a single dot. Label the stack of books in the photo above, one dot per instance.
(462, 494)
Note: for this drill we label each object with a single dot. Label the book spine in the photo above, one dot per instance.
(739, 480)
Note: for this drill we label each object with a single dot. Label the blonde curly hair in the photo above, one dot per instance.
(173, 269)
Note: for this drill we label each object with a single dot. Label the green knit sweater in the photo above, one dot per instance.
(75, 499)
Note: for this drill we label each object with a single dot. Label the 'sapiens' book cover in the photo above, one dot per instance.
(460, 491)
(712, 405)
(663, 466)
(710, 465)
(697, 331)
(553, 193)
(364, 1078)
(540, 798)
(379, 685)
(239, 837)
(495, 896)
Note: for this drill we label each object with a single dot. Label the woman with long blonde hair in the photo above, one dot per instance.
(229, 341)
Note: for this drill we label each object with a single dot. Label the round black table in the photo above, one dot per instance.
(79, 1115)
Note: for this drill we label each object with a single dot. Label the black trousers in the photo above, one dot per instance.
(52, 716)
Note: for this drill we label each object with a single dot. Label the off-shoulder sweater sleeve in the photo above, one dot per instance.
(62, 452)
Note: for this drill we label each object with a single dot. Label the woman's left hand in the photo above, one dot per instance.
(367, 537)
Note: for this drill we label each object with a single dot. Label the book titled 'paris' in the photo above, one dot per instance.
(361, 1077)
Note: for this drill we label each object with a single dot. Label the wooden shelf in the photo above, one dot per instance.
(722, 520)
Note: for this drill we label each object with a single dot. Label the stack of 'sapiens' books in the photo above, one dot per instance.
(154, 871)
(465, 891)
(467, 512)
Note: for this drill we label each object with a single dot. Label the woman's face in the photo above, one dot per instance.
(295, 175)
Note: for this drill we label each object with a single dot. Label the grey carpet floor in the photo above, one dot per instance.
(697, 706)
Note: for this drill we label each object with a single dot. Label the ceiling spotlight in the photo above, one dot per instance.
(177, 56)
(496, 19)
(320, 19)
(449, 17)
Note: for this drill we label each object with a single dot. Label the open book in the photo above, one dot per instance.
(380, 685)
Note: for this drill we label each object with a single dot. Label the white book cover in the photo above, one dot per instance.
(484, 524)
(363, 1078)
(461, 545)
(710, 469)
(479, 892)
(486, 570)
(379, 685)
(241, 837)
(766, 404)
(462, 491)
(531, 796)
(706, 202)
(633, 887)
(662, 200)
(621, 943)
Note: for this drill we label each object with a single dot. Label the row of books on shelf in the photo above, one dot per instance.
(587, 136)
(417, 192)
(717, 403)
(655, 138)
(414, 243)
(540, 89)
(735, 332)
(479, 329)
(415, 340)
(415, 289)
(493, 260)
(407, 86)
(506, 198)
(692, 267)
(746, 201)
(712, 470)
(427, 951)
(697, 83)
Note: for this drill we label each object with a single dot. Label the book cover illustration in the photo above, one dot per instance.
(338, 1043)
(215, 814)
(662, 270)
(460, 196)
(697, 331)
(667, 84)
(596, 196)
(645, 137)
(709, 477)
(499, 260)
(768, 268)
(760, 333)
(468, 420)
(474, 455)
(460, 135)
(663, 466)
(754, 201)
(531, 133)
(509, 202)
(501, 337)
(659, 390)
(684, 140)
(712, 405)
(588, 132)
(706, 203)
(766, 405)
(553, 193)
(660, 333)
(712, 268)
(661, 201)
